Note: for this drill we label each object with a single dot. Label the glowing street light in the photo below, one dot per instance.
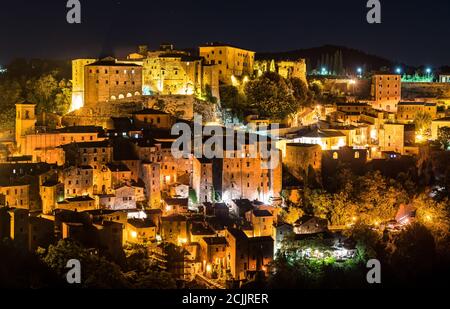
(398, 70)
(428, 70)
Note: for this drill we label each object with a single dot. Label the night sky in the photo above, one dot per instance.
(414, 32)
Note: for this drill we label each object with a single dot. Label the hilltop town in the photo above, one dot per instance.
(363, 163)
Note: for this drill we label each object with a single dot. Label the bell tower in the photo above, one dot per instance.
(25, 122)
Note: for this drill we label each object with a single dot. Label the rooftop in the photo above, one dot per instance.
(262, 213)
(215, 240)
(141, 223)
(219, 44)
(237, 233)
(112, 62)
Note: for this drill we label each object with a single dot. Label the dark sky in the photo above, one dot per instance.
(415, 31)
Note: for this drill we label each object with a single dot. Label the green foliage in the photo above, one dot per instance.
(272, 95)
(193, 196)
(97, 272)
(10, 94)
(444, 137)
(422, 122)
(291, 214)
(38, 82)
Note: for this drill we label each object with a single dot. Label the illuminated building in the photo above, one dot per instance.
(25, 122)
(444, 78)
(108, 80)
(140, 231)
(95, 154)
(229, 61)
(213, 252)
(262, 221)
(15, 194)
(386, 91)
(236, 176)
(78, 203)
(437, 124)
(285, 68)
(407, 111)
(247, 254)
(78, 82)
(174, 229)
(301, 157)
(172, 72)
(391, 137)
(51, 192)
(78, 181)
(327, 139)
(152, 118)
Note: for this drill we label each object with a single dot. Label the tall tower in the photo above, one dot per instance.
(25, 122)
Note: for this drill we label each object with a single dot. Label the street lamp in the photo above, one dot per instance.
(398, 70)
(359, 71)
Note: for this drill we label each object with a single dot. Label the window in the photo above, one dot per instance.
(357, 155)
(335, 155)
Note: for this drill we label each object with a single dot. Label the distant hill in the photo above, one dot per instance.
(351, 58)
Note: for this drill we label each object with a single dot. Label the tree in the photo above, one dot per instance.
(377, 201)
(96, 271)
(291, 214)
(422, 122)
(435, 216)
(300, 90)
(414, 255)
(272, 96)
(231, 98)
(444, 137)
(10, 94)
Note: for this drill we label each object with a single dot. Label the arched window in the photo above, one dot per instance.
(357, 155)
(335, 155)
(113, 98)
(121, 96)
(129, 95)
(137, 93)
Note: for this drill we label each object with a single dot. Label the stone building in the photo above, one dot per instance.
(152, 118)
(241, 174)
(391, 137)
(300, 158)
(437, 124)
(78, 82)
(172, 72)
(78, 180)
(108, 80)
(386, 91)
(407, 111)
(229, 61)
(262, 221)
(174, 229)
(285, 68)
(78, 203)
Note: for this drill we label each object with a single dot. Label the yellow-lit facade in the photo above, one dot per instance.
(386, 91)
(172, 73)
(78, 82)
(229, 61)
(285, 68)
